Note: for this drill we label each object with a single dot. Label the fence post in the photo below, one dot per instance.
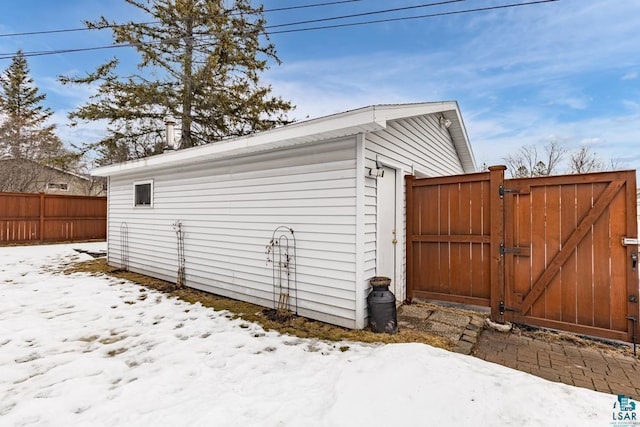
(496, 214)
(410, 232)
(41, 217)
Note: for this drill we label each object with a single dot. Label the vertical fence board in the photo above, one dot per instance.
(553, 293)
(51, 218)
(539, 256)
(584, 300)
(564, 265)
(617, 276)
(463, 226)
(601, 272)
(522, 264)
(479, 264)
(568, 273)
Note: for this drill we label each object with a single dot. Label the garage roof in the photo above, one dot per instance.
(352, 122)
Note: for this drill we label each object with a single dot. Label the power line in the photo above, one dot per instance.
(323, 27)
(102, 27)
(406, 18)
(306, 6)
(376, 12)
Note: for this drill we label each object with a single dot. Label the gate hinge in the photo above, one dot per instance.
(503, 308)
(504, 250)
(504, 191)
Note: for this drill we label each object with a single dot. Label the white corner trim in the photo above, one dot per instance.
(360, 218)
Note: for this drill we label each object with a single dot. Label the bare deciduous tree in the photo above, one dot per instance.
(528, 162)
(584, 160)
(23, 176)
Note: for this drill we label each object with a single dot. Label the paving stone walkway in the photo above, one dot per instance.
(599, 368)
(461, 327)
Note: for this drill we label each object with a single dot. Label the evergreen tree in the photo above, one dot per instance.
(24, 131)
(200, 61)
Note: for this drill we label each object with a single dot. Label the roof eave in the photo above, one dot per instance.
(334, 126)
(362, 120)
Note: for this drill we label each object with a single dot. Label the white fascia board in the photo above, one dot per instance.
(463, 146)
(451, 111)
(337, 125)
(367, 119)
(401, 111)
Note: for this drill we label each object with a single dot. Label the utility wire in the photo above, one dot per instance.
(102, 27)
(406, 18)
(323, 27)
(305, 6)
(376, 12)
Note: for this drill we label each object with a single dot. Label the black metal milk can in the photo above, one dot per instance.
(382, 306)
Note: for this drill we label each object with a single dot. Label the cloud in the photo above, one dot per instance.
(564, 95)
(631, 75)
(632, 106)
(592, 141)
(615, 138)
(545, 50)
(77, 135)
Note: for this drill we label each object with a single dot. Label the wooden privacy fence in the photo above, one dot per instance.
(51, 218)
(558, 252)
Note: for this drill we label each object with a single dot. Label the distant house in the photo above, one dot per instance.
(208, 214)
(26, 176)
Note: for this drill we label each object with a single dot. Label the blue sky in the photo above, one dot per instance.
(567, 71)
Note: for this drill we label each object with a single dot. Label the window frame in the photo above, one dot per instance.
(58, 186)
(141, 183)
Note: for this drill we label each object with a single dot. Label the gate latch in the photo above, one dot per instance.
(504, 191)
(634, 260)
(504, 250)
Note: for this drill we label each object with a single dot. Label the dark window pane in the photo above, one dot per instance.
(143, 194)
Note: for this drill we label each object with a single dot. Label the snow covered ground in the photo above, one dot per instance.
(99, 351)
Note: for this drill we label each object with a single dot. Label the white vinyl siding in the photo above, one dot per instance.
(416, 143)
(229, 210)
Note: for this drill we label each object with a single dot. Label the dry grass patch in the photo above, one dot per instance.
(296, 325)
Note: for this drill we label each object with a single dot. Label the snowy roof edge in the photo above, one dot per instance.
(351, 122)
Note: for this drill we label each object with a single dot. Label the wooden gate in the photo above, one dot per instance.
(544, 251)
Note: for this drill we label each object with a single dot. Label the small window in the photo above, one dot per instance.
(143, 193)
(58, 186)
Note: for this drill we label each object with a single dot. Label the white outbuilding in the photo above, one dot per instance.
(328, 191)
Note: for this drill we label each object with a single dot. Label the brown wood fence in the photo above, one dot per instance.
(51, 218)
(542, 251)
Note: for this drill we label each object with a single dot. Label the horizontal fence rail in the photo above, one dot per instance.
(543, 251)
(26, 217)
